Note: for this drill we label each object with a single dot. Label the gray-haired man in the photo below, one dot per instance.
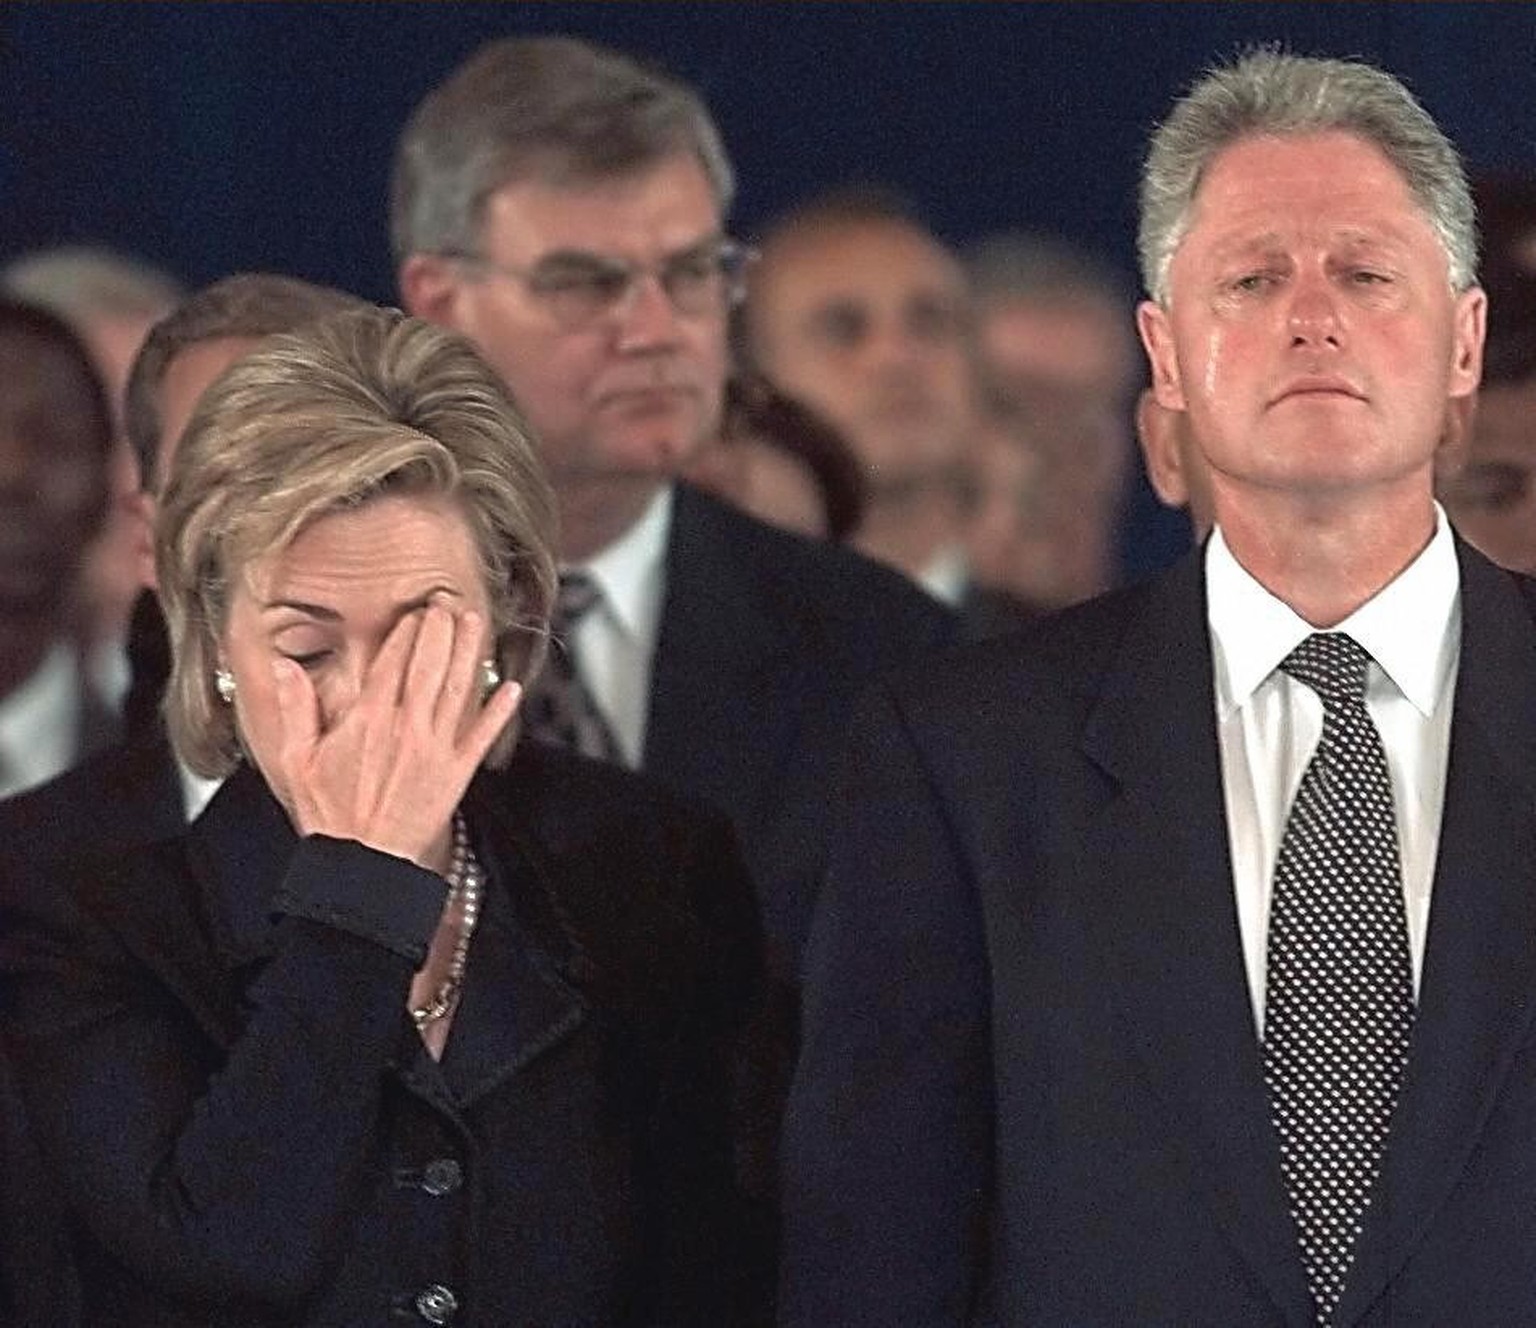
(1177, 962)
(565, 207)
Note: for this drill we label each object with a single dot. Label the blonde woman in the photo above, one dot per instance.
(413, 1025)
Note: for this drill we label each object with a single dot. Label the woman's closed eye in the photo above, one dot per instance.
(306, 659)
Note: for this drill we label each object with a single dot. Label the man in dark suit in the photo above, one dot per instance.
(1114, 1013)
(565, 209)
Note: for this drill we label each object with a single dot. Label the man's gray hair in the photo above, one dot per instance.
(1273, 93)
(553, 108)
(81, 282)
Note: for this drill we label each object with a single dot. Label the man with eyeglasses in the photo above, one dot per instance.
(564, 208)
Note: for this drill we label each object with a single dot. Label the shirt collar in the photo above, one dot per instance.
(1410, 627)
(947, 575)
(39, 721)
(628, 571)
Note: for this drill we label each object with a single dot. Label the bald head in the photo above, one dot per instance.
(861, 313)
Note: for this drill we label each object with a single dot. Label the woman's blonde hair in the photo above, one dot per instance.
(358, 405)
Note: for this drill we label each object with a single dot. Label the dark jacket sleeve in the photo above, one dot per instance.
(215, 1151)
(717, 1111)
(887, 1137)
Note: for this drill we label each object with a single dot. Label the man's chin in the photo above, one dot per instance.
(660, 455)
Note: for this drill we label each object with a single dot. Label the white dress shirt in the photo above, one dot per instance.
(947, 576)
(1269, 724)
(196, 790)
(615, 642)
(40, 723)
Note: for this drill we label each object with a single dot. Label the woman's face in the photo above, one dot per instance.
(330, 598)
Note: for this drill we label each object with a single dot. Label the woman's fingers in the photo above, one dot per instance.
(488, 723)
(299, 711)
(383, 683)
(427, 667)
(459, 695)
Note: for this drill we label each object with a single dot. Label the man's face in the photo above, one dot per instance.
(1311, 332)
(865, 321)
(635, 391)
(1492, 499)
(189, 374)
(53, 477)
(187, 377)
(1073, 344)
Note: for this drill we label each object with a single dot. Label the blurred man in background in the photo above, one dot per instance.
(110, 301)
(55, 460)
(857, 310)
(1057, 361)
(1489, 484)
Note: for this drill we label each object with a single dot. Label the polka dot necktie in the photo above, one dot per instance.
(559, 708)
(1338, 1008)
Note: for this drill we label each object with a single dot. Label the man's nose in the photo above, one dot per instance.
(1313, 318)
(647, 316)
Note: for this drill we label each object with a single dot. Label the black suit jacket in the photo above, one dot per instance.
(213, 1040)
(122, 796)
(1031, 1089)
(118, 797)
(765, 642)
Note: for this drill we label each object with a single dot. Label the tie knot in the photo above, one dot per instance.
(1332, 664)
(578, 596)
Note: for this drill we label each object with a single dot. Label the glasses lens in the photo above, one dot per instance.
(577, 294)
(735, 260)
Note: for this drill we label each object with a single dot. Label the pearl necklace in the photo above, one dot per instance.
(466, 881)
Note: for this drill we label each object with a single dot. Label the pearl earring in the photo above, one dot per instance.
(490, 677)
(224, 685)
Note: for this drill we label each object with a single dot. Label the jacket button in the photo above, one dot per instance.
(442, 1176)
(437, 1304)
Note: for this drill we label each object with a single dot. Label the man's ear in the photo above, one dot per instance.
(430, 288)
(143, 506)
(1469, 328)
(1157, 432)
(1157, 339)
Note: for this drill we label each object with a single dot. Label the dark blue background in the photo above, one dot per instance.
(213, 137)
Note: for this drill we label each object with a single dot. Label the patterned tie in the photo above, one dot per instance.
(1338, 1008)
(559, 708)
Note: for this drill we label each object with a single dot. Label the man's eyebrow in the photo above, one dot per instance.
(1243, 245)
(588, 258)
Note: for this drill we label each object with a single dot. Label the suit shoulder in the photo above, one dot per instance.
(1060, 655)
(119, 797)
(631, 869)
(574, 800)
(811, 580)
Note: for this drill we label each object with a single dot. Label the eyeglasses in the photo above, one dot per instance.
(579, 289)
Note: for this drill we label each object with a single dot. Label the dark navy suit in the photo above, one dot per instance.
(765, 642)
(1031, 1089)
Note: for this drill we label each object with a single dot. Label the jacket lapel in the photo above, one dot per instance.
(515, 1007)
(718, 671)
(1183, 988)
(518, 998)
(1478, 988)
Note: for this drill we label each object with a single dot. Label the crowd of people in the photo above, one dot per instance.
(627, 790)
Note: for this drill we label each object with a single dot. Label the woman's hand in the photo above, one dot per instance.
(389, 769)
